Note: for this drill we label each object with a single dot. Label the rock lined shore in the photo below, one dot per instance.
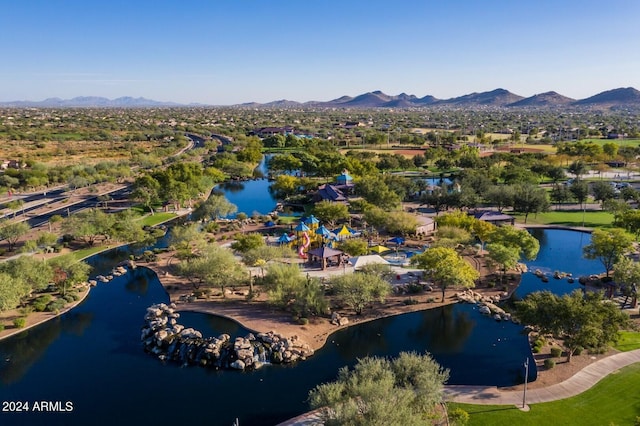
(164, 337)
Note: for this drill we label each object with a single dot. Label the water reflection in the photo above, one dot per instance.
(22, 351)
(444, 330)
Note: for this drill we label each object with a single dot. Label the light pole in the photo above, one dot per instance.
(526, 377)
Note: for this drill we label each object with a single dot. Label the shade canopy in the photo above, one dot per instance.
(285, 238)
(322, 230)
(302, 227)
(325, 252)
(311, 220)
(343, 232)
(372, 259)
(397, 240)
(379, 249)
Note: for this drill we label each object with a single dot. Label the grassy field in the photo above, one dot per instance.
(157, 218)
(591, 219)
(629, 341)
(620, 142)
(613, 401)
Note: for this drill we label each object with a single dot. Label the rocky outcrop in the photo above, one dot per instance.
(487, 304)
(168, 340)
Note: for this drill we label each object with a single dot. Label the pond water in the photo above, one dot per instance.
(92, 357)
(560, 250)
(251, 195)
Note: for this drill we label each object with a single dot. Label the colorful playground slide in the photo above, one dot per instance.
(304, 246)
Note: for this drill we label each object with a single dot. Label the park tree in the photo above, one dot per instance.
(610, 149)
(403, 223)
(375, 216)
(602, 191)
(608, 245)
(261, 255)
(245, 242)
(560, 194)
(13, 231)
(330, 212)
(580, 191)
(357, 291)
(67, 271)
(146, 190)
(482, 230)
(284, 163)
(578, 168)
(452, 237)
(626, 273)
(212, 266)
(127, 227)
(504, 256)
(457, 219)
(288, 289)
(214, 207)
(31, 271)
(89, 225)
(580, 320)
(285, 186)
(376, 192)
(354, 247)
(446, 268)
(519, 240)
(500, 196)
(629, 220)
(380, 391)
(529, 199)
(12, 291)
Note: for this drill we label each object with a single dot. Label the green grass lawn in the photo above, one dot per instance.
(613, 401)
(629, 341)
(157, 218)
(86, 252)
(592, 219)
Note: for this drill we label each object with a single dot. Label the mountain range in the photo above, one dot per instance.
(615, 98)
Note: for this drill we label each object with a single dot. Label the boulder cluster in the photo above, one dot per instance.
(168, 340)
(487, 304)
(119, 270)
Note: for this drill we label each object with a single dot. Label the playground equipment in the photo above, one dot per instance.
(304, 246)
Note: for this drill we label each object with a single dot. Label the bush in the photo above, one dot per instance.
(458, 417)
(578, 350)
(414, 288)
(411, 301)
(56, 305)
(549, 363)
(556, 352)
(20, 322)
(1, 327)
(40, 304)
(303, 321)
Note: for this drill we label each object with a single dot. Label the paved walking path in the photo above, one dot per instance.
(576, 384)
(491, 395)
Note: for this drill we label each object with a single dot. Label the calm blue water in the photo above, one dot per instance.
(250, 196)
(560, 250)
(92, 357)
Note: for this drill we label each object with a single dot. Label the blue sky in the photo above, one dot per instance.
(225, 52)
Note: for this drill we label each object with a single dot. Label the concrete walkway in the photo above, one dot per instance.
(578, 383)
(491, 395)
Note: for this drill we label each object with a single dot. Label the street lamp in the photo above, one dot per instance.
(526, 377)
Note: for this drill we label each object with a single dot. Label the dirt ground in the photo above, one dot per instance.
(258, 316)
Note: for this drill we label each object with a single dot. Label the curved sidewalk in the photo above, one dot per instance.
(576, 384)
